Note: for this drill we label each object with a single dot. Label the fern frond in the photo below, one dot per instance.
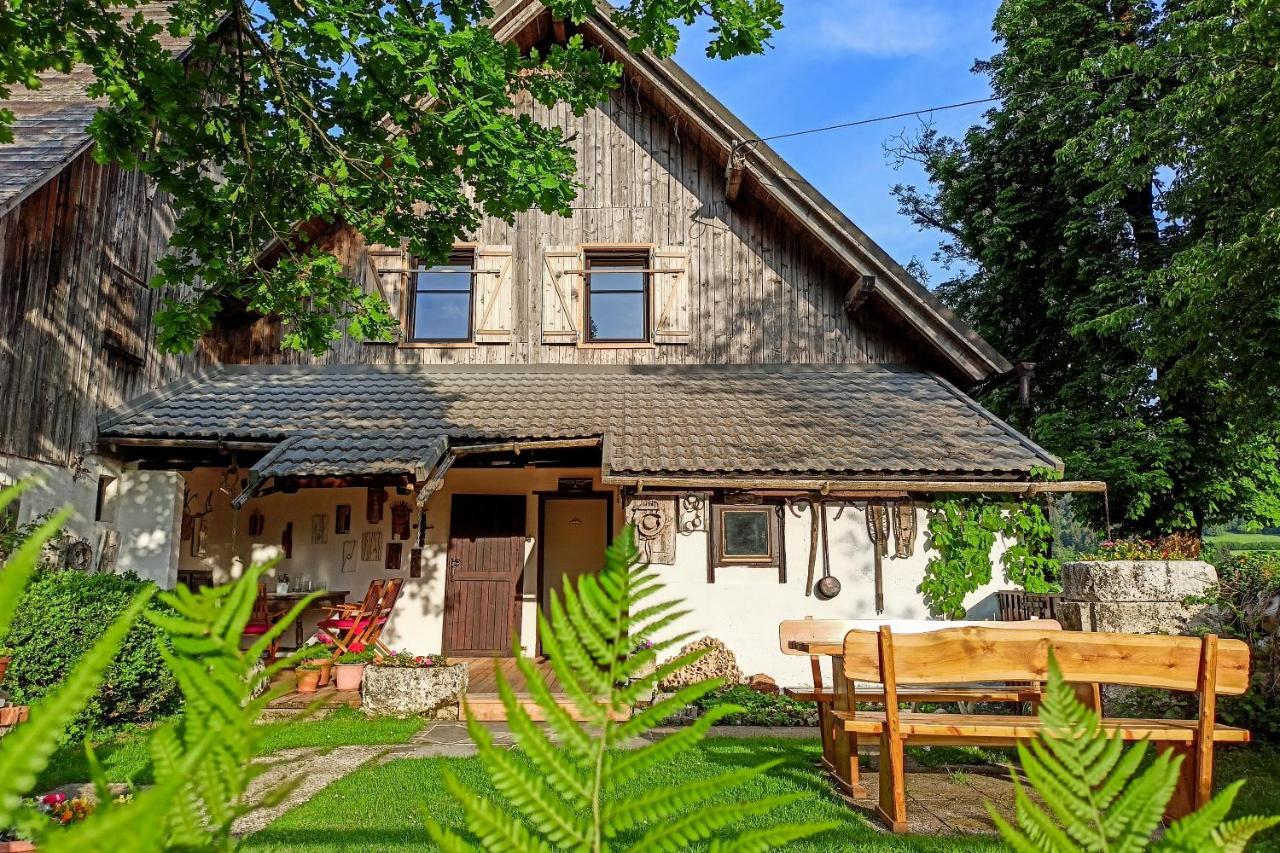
(630, 763)
(558, 719)
(700, 825)
(647, 718)
(558, 767)
(662, 802)
(25, 751)
(769, 838)
(495, 829)
(1234, 835)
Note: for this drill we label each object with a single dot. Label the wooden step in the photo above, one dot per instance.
(488, 707)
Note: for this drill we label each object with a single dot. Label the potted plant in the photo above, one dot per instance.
(348, 669)
(404, 684)
(6, 653)
(307, 677)
(322, 661)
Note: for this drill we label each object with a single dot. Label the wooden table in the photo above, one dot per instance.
(844, 745)
(282, 603)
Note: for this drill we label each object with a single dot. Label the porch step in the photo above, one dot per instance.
(488, 707)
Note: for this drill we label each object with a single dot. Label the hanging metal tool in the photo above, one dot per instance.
(828, 586)
(878, 531)
(813, 538)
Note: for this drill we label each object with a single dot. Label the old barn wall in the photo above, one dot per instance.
(759, 291)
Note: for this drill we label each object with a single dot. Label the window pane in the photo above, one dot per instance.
(745, 533)
(604, 280)
(617, 316)
(442, 316)
(446, 277)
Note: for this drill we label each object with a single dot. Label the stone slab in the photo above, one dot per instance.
(414, 691)
(1136, 580)
(1129, 617)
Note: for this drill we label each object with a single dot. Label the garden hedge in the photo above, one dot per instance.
(61, 615)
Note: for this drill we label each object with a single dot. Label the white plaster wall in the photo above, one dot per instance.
(54, 487)
(745, 604)
(148, 514)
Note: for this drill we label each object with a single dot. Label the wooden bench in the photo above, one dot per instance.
(816, 638)
(1205, 666)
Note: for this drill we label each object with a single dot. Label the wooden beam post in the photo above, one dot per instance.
(856, 299)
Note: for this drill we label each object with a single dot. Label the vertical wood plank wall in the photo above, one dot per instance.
(62, 294)
(760, 292)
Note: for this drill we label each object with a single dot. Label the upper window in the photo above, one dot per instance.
(745, 534)
(617, 304)
(440, 300)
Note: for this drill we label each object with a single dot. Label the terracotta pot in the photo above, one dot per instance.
(16, 847)
(326, 672)
(308, 680)
(4, 664)
(347, 676)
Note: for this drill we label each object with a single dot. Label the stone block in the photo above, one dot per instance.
(1130, 617)
(718, 662)
(1136, 580)
(432, 691)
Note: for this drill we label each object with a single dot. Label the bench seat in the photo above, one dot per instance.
(995, 729)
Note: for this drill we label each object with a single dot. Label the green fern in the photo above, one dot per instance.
(564, 791)
(1099, 797)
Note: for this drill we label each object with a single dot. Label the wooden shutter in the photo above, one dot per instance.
(493, 297)
(561, 295)
(671, 298)
(389, 275)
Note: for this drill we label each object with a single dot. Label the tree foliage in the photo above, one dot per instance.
(394, 118)
(1116, 221)
(1100, 796)
(562, 793)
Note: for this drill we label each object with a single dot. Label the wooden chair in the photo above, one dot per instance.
(349, 623)
(1206, 666)
(261, 620)
(387, 606)
(833, 631)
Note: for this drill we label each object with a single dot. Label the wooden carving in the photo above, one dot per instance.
(395, 552)
(349, 556)
(375, 502)
(400, 511)
(655, 525)
(319, 529)
(342, 519)
(371, 547)
(904, 529)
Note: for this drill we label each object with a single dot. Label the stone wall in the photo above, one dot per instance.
(1133, 596)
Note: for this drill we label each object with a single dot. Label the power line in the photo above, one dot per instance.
(862, 121)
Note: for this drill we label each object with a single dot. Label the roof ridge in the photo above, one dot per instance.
(983, 412)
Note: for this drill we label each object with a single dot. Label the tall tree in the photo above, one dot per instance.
(395, 118)
(1114, 220)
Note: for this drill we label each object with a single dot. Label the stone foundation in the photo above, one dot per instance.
(433, 692)
(1133, 596)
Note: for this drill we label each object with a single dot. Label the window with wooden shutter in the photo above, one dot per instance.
(561, 295)
(671, 297)
(442, 299)
(494, 315)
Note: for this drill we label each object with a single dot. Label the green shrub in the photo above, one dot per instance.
(61, 615)
(759, 709)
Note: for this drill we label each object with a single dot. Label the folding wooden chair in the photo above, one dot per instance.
(261, 620)
(349, 624)
(373, 637)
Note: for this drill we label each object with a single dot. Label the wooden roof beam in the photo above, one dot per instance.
(859, 292)
(858, 487)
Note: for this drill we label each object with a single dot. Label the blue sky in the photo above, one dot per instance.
(840, 60)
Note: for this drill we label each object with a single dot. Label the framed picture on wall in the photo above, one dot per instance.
(349, 555)
(395, 553)
(342, 519)
(319, 529)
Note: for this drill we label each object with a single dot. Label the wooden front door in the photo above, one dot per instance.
(484, 574)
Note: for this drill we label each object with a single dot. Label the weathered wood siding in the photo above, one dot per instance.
(76, 318)
(760, 291)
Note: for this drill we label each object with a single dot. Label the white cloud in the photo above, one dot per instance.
(869, 27)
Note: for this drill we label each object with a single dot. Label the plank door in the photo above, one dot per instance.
(484, 575)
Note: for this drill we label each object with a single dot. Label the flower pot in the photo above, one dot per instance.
(4, 664)
(347, 676)
(326, 672)
(308, 680)
(16, 847)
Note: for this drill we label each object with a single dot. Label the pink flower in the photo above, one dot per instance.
(54, 799)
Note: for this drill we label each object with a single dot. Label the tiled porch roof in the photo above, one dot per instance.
(833, 421)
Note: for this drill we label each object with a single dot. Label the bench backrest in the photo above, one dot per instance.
(1001, 654)
(834, 630)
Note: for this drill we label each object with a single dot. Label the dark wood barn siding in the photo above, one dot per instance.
(761, 292)
(76, 319)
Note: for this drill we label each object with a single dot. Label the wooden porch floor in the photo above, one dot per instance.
(482, 692)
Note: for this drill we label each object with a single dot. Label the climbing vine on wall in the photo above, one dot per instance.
(962, 533)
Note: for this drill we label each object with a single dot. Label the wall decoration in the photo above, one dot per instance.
(349, 556)
(692, 518)
(257, 522)
(395, 553)
(191, 520)
(342, 519)
(400, 520)
(574, 485)
(654, 521)
(319, 529)
(375, 501)
(199, 537)
(371, 547)
(415, 563)
(108, 551)
(286, 541)
(904, 529)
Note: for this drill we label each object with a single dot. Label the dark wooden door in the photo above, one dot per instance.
(484, 574)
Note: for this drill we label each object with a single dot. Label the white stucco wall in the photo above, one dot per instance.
(53, 487)
(742, 608)
(148, 515)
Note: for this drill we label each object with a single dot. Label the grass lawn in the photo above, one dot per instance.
(125, 758)
(1246, 541)
(382, 807)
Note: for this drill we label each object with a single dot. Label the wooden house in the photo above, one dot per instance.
(707, 348)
